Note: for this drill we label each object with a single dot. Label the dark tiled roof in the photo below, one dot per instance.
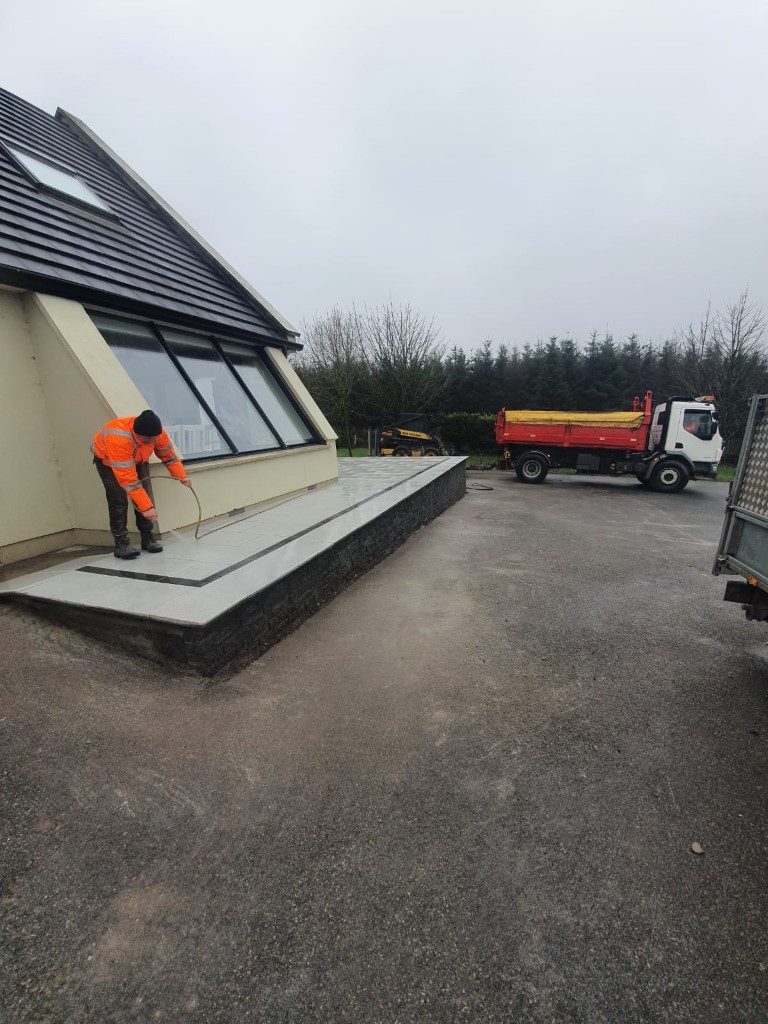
(140, 262)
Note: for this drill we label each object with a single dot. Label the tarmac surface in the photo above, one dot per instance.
(466, 790)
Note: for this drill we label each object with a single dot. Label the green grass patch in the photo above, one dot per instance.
(357, 453)
(475, 460)
(726, 472)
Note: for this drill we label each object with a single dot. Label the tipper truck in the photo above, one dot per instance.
(743, 548)
(664, 447)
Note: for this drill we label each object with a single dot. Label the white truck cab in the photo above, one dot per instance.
(688, 430)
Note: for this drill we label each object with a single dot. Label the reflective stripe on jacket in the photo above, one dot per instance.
(117, 446)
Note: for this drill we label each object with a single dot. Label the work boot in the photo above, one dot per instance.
(123, 549)
(148, 543)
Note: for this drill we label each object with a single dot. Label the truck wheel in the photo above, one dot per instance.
(669, 477)
(532, 469)
(431, 451)
(402, 452)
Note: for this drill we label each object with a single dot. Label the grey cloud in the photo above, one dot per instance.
(515, 169)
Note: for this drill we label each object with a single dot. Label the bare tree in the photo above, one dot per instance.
(333, 364)
(404, 352)
(739, 332)
(725, 354)
(696, 344)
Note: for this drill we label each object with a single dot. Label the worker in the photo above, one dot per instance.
(121, 453)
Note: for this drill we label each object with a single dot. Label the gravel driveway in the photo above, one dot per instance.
(467, 789)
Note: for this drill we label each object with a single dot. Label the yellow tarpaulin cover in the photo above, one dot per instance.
(631, 420)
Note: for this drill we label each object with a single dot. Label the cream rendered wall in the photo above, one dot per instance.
(32, 499)
(242, 483)
(83, 385)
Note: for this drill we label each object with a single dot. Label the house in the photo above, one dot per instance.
(109, 304)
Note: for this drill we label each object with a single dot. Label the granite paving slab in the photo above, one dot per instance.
(192, 582)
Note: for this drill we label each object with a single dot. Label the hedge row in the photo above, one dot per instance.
(467, 431)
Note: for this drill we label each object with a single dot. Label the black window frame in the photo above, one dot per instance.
(274, 373)
(156, 327)
(105, 211)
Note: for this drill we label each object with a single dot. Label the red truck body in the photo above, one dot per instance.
(596, 432)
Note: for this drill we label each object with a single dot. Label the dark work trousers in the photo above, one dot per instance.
(117, 501)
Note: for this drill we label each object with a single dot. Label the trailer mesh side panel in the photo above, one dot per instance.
(753, 493)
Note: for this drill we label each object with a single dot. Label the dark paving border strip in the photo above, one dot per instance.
(178, 581)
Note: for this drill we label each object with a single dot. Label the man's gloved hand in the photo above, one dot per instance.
(151, 515)
(186, 481)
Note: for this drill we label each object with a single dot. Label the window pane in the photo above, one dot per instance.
(59, 179)
(268, 393)
(221, 390)
(162, 387)
(698, 423)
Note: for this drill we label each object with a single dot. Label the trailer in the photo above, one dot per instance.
(663, 447)
(743, 547)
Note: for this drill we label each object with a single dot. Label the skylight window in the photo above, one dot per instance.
(58, 179)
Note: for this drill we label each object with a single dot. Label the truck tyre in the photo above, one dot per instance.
(532, 469)
(431, 452)
(669, 477)
(402, 452)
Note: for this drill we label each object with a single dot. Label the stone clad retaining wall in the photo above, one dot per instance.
(250, 628)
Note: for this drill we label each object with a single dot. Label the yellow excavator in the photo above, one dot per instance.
(402, 442)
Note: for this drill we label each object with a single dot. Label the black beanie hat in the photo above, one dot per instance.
(147, 424)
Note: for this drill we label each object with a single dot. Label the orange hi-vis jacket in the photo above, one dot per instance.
(118, 447)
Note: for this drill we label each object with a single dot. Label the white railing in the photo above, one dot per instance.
(193, 438)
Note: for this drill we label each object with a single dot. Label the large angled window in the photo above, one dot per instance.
(163, 387)
(214, 397)
(221, 390)
(267, 393)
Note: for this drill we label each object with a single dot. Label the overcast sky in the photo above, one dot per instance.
(516, 169)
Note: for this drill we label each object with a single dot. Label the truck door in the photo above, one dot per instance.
(693, 431)
(657, 425)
